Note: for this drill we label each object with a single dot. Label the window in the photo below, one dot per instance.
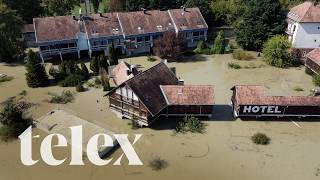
(147, 38)
(201, 33)
(196, 33)
(44, 48)
(139, 39)
(294, 28)
(64, 46)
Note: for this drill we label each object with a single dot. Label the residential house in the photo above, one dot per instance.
(313, 60)
(158, 92)
(130, 32)
(304, 27)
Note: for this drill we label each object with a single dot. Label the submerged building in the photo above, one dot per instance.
(130, 32)
(145, 96)
(251, 101)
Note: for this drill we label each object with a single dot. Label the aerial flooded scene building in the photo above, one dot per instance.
(114, 89)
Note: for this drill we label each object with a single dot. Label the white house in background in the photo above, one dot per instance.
(304, 27)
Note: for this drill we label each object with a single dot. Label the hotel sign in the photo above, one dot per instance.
(249, 109)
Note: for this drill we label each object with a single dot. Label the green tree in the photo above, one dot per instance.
(222, 11)
(10, 32)
(276, 51)
(36, 75)
(95, 4)
(219, 44)
(259, 21)
(134, 5)
(26, 9)
(204, 6)
(94, 65)
(59, 7)
(113, 56)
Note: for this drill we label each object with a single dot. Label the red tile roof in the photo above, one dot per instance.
(188, 94)
(141, 23)
(306, 12)
(57, 28)
(102, 26)
(255, 95)
(314, 56)
(191, 18)
(120, 73)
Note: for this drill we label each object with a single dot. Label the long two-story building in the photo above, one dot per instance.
(130, 32)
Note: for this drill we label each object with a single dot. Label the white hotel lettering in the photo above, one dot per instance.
(262, 109)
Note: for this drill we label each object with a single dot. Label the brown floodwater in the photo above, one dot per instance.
(223, 152)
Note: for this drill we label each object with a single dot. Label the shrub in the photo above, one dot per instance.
(64, 98)
(134, 125)
(84, 71)
(97, 81)
(202, 48)
(298, 88)
(5, 79)
(12, 120)
(260, 138)
(72, 80)
(240, 54)
(151, 58)
(276, 51)
(23, 93)
(158, 164)
(316, 80)
(80, 88)
(234, 66)
(309, 71)
(94, 65)
(190, 124)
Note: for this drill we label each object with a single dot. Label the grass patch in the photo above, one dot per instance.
(299, 89)
(157, 164)
(260, 138)
(5, 79)
(64, 98)
(240, 54)
(234, 66)
(190, 124)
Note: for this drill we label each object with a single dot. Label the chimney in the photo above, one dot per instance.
(184, 8)
(101, 15)
(74, 18)
(87, 8)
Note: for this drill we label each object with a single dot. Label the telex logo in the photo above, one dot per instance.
(92, 148)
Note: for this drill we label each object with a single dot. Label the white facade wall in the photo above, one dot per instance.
(304, 35)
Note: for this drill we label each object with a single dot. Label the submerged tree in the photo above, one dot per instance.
(219, 44)
(12, 121)
(36, 75)
(10, 32)
(259, 21)
(276, 51)
(113, 56)
(170, 45)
